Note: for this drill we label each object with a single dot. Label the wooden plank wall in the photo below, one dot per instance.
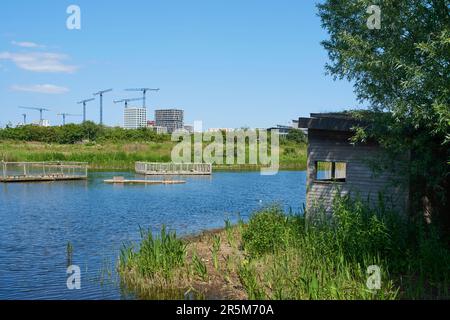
(361, 180)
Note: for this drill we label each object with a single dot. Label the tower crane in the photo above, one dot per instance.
(84, 106)
(100, 93)
(64, 115)
(126, 101)
(41, 110)
(144, 91)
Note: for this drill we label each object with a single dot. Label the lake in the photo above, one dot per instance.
(39, 220)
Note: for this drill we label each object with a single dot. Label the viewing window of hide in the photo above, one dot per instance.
(331, 171)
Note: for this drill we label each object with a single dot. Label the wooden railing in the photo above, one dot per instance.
(163, 168)
(43, 171)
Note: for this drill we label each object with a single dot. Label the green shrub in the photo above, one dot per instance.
(296, 135)
(74, 133)
(266, 231)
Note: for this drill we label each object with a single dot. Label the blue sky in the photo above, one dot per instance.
(228, 63)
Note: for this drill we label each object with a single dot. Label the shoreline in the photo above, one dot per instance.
(220, 279)
(275, 256)
(122, 155)
(230, 169)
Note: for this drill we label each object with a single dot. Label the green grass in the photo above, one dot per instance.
(215, 250)
(285, 256)
(295, 258)
(199, 267)
(157, 256)
(123, 155)
(99, 156)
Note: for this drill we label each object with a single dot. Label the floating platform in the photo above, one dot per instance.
(178, 169)
(42, 171)
(121, 180)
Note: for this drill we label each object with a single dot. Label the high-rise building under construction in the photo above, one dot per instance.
(172, 119)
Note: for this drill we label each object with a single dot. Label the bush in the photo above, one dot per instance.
(296, 135)
(75, 133)
(268, 230)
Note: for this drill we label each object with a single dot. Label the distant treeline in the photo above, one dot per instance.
(89, 131)
(75, 133)
(296, 135)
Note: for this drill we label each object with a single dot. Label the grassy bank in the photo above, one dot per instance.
(279, 256)
(122, 155)
(114, 156)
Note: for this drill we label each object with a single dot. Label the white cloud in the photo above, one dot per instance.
(40, 61)
(27, 44)
(40, 88)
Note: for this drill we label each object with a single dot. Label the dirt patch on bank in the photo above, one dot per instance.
(222, 280)
(210, 271)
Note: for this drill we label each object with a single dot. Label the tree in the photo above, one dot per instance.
(402, 70)
(296, 135)
(90, 130)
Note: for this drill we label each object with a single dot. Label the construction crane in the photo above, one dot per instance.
(100, 93)
(64, 115)
(144, 91)
(127, 100)
(24, 115)
(39, 109)
(84, 107)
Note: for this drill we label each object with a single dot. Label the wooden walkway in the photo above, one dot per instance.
(43, 171)
(180, 169)
(40, 178)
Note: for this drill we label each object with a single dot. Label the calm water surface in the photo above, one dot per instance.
(38, 220)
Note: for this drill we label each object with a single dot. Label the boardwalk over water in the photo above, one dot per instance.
(160, 168)
(42, 171)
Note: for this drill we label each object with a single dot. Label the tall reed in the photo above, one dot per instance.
(291, 257)
(157, 255)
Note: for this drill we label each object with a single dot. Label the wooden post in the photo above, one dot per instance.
(4, 169)
(333, 170)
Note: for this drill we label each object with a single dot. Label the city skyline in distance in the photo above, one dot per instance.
(214, 63)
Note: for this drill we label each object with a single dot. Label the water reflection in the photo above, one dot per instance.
(38, 221)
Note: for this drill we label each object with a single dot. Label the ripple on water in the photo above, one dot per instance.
(37, 221)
